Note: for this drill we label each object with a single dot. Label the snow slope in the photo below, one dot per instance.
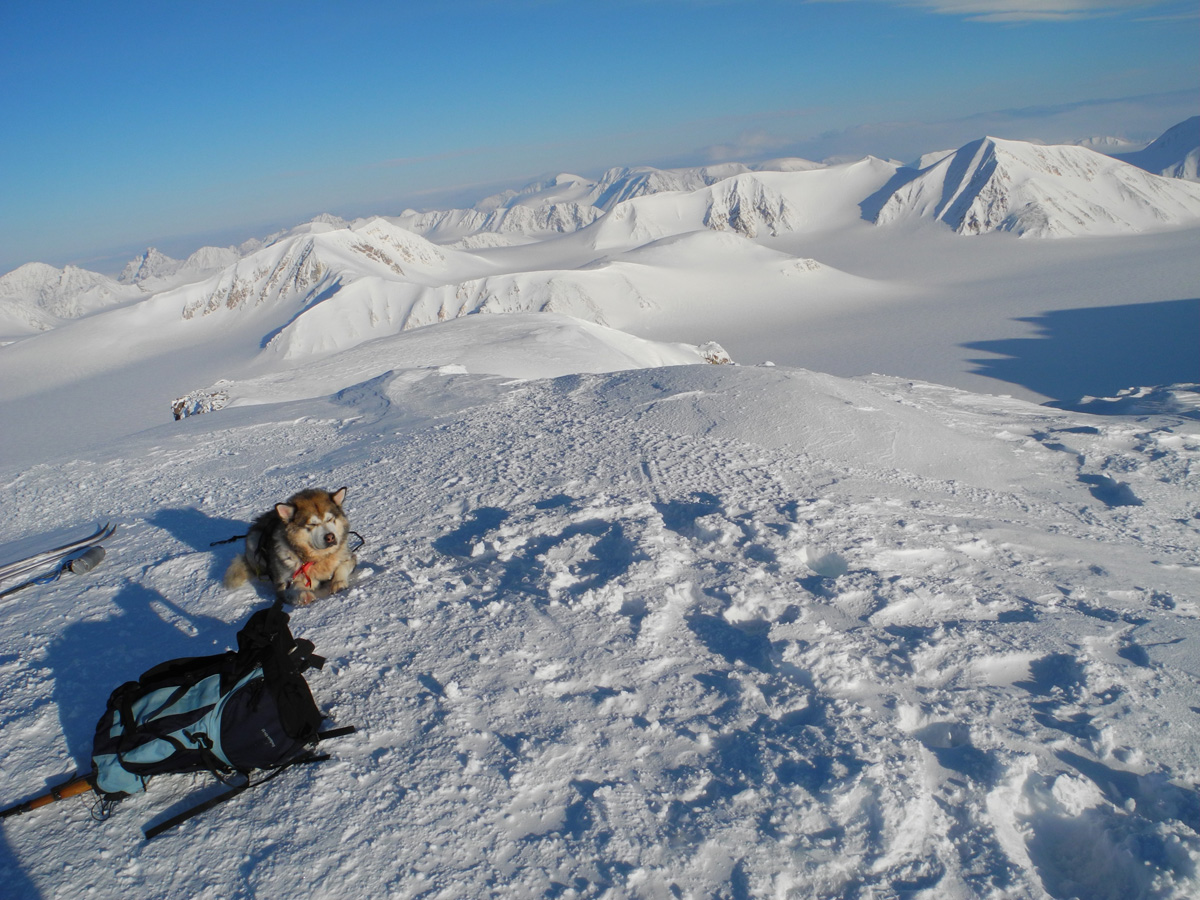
(674, 632)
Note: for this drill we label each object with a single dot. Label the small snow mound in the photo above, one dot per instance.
(825, 563)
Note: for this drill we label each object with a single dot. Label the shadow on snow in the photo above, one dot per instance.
(1099, 351)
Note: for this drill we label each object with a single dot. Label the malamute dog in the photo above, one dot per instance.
(300, 545)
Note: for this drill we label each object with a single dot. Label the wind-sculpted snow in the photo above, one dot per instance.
(515, 346)
(703, 631)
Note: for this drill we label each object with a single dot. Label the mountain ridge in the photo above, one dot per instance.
(397, 266)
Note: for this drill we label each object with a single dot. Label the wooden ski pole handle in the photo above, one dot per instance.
(74, 788)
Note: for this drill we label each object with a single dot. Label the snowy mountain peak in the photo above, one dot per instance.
(1174, 154)
(282, 270)
(209, 259)
(1109, 145)
(320, 264)
(66, 293)
(330, 219)
(412, 248)
(1045, 191)
(28, 280)
(151, 264)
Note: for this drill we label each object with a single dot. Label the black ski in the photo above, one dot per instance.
(20, 567)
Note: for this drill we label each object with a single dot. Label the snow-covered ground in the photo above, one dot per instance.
(628, 624)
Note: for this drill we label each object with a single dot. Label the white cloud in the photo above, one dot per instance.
(1139, 119)
(1023, 10)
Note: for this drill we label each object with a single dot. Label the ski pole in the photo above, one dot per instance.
(80, 784)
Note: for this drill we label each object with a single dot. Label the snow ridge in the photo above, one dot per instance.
(395, 273)
(566, 203)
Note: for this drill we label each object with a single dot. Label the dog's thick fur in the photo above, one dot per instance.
(300, 545)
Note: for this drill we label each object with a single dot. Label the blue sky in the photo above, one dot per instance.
(183, 123)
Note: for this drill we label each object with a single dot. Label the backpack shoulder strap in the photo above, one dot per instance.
(199, 808)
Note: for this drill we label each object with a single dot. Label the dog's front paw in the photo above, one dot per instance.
(295, 596)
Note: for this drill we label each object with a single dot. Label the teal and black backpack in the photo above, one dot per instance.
(233, 713)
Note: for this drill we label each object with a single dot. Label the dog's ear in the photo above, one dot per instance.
(339, 495)
(285, 510)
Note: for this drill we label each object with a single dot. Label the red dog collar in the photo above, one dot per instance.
(303, 570)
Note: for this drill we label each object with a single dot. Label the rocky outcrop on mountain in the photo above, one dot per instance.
(200, 401)
(293, 270)
(745, 205)
(715, 354)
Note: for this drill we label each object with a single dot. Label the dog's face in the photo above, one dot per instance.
(314, 521)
